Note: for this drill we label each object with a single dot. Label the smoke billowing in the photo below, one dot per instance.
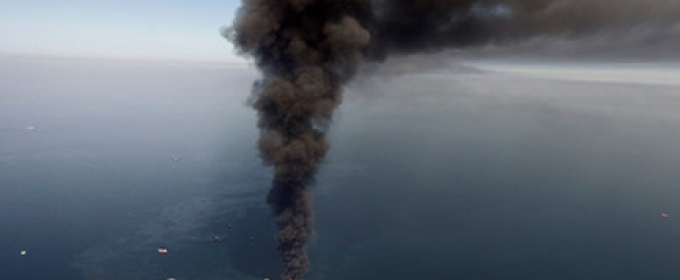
(308, 49)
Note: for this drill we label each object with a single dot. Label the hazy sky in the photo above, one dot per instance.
(189, 30)
(150, 29)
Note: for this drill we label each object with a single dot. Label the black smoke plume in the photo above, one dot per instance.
(307, 50)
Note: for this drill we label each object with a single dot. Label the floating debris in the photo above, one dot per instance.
(176, 159)
(23, 252)
(664, 215)
(217, 238)
(229, 225)
(163, 251)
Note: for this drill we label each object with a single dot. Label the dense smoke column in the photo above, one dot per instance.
(306, 50)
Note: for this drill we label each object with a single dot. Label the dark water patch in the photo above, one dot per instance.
(251, 244)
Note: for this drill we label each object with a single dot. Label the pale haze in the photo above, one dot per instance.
(151, 30)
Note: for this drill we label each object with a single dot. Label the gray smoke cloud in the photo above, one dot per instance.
(407, 26)
(307, 50)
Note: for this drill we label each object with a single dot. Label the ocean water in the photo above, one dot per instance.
(489, 174)
(125, 157)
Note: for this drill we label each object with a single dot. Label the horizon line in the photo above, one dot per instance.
(226, 62)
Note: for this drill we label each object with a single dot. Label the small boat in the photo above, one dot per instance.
(163, 251)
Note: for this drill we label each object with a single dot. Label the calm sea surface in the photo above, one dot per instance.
(508, 173)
